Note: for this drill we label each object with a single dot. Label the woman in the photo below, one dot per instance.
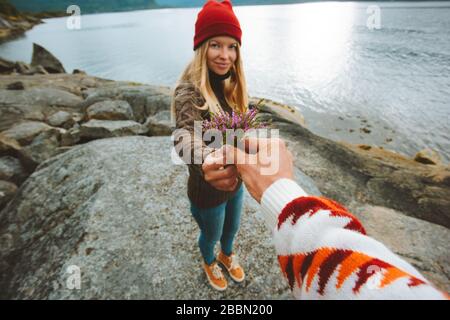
(213, 81)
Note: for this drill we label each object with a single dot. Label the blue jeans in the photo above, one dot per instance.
(218, 223)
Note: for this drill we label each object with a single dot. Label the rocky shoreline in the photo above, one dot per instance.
(16, 25)
(86, 178)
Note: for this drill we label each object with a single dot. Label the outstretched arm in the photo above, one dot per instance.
(324, 252)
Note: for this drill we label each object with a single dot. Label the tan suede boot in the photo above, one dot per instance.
(232, 265)
(215, 276)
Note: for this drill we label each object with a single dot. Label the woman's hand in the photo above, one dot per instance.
(218, 174)
(265, 161)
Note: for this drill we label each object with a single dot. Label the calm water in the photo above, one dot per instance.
(321, 58)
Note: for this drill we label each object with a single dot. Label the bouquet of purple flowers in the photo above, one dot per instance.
(237, 124)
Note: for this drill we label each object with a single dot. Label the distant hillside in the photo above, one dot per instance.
(86, 6)
(199, 3)
(93, 6)
(7, 8)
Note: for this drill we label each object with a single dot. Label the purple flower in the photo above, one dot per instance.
(237, 120)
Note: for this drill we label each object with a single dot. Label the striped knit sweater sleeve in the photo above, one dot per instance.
(324, 252)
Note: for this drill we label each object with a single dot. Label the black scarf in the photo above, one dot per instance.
(216, 81)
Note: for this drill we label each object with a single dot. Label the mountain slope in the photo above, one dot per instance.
(86, 6)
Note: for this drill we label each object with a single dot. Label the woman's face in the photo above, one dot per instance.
(221, 54)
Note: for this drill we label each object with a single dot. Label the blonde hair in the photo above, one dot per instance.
(235, 87)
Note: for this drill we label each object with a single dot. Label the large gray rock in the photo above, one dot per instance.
(61, 119)
(145, 100)
(26, 69)
(159, 124)
(342, 171)
(44, 58)
(9, 147)
(4, 24)
(75, 83)
(348, 173)
(26, 131)
(425, 245)
(35, 103)
(11, 170)
(71, 137)
(116, 210)
(7, 192)
(110, 110)
(39, 141)
(40, 97)
(13, 24)
(428, 156)
(10, 115)
(276, 111)
(18, 85)
(23, 68)
(6, 66)
(98, 129)
(44, 146)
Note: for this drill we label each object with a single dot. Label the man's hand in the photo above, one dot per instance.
(263, 162)
(221, 176)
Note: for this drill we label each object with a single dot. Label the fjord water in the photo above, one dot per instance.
(393, 82)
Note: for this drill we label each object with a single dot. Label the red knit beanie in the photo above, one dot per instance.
(216, 19)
